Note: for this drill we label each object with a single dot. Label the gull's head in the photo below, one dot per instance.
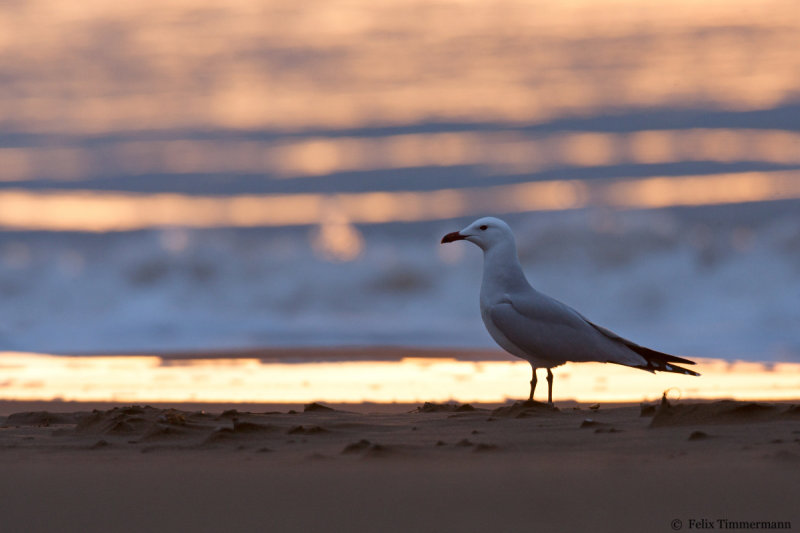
(485, 233)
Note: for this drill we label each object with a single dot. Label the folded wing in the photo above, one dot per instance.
(549, 330)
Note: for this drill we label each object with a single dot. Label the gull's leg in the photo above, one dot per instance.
(549, 387)
(533, 383)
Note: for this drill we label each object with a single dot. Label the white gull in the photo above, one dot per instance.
(538, 328)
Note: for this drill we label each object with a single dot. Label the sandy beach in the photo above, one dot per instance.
(225, 305)
(430, 467)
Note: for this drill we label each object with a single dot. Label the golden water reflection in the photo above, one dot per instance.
(101, 211)
(495, 152)
(26, 376)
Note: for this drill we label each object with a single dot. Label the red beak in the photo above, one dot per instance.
(450, 237)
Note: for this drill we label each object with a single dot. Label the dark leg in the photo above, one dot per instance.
(549, 387)
(533, 383)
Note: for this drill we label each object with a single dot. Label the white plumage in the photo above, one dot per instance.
(538, 328)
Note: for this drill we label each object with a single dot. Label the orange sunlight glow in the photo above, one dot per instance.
(29, 376)
(559, 58)
(101, 211)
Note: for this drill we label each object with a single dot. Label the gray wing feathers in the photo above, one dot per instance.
(546, 329)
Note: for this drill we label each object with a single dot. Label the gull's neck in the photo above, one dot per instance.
(502, 272)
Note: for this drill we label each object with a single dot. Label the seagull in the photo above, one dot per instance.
(538, 328)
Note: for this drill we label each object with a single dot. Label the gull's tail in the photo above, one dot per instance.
(656, 361)
(662, 362)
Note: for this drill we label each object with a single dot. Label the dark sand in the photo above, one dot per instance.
(523, 467)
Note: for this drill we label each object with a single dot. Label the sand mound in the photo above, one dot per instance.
(250, 428)
(230, 413)
(307, 430)
(149, 422)
(722, 412)
(173, 418)
(220, 435)
(479, 447)
(377, 451)
(591, 423)
(430, 407)
(41, 418)
(240, 431)
(162, 432)
(119, 421)
(357, 447)
(525, 409)
(318, 408)
(793, 411)
(366, 448)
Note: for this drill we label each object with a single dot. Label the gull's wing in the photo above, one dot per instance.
(547, 329)
(550, 330)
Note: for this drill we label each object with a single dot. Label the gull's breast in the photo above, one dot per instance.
(500, 338)
(538, 360)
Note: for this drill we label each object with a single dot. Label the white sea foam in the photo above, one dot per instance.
(672, 280)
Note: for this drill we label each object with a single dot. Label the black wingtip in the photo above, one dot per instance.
(667, 366)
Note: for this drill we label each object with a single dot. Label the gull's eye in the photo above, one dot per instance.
(483, 228)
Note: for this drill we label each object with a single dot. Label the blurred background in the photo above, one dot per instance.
(203, 175)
